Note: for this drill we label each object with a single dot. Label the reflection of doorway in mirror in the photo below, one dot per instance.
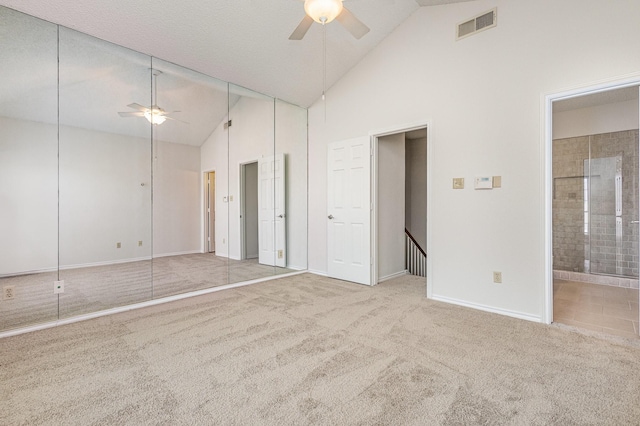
(210, 211)
(271, 211)
(249, 210)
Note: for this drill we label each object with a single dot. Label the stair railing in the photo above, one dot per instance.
(415, 257)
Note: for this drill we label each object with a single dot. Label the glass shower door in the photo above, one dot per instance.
(611, 211)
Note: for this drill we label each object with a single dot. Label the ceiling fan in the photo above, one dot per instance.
(154, 114)
(325, 11)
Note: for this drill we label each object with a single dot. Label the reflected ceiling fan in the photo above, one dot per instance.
(325, 11)
(154, 114)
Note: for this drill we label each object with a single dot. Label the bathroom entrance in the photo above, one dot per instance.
(595, 210)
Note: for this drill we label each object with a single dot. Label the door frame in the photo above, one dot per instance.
(546, 115)
(206, 205)
(241, 180)
(375, 135)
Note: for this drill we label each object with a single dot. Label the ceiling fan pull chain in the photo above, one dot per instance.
(324, 59)
(324, 68)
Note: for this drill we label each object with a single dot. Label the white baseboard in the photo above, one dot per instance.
(297, 268)
(315, 272)
(392, 276)
(513, 314)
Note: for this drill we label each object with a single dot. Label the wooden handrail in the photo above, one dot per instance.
(406, 231)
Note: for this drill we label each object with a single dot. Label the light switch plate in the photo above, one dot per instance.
(458, 183)
(497, 181)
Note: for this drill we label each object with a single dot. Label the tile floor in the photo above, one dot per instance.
(608, 309)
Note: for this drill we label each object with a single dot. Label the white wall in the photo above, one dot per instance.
(28, 196)
(483, 96)
(177, 188)
(607, 118)
(391, 205)
(105, 197)
(102, 199)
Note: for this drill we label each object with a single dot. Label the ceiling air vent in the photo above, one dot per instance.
(479, 23)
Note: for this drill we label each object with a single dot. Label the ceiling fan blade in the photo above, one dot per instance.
(302, 28)
(175, 119)
(131, 114)
(138, 107)
(352, 24)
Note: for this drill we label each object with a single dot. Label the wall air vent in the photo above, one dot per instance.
(479, 23)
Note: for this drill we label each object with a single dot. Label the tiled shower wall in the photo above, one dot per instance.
(603, 250)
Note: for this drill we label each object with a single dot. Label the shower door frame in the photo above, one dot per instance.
(546, 115)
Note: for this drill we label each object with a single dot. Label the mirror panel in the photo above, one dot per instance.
(251, 197)
(190, 150)
(291, 145)
(28, 170)
(123, 210)
(105, 175)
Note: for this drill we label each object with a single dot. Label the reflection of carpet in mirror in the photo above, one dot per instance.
(98, 288)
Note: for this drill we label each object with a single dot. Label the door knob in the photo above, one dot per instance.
(330, 216)
(280, 216)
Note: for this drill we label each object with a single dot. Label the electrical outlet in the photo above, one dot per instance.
(497, 277)
(118, 245)
(58, 287)
(280, 254)
(9, 292)
(139, 243)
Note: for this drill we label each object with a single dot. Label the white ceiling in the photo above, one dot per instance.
(241, 41)
(595, 99)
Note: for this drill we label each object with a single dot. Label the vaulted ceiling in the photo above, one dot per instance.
(241, 41)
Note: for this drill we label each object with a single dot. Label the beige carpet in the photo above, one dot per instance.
(311, 350)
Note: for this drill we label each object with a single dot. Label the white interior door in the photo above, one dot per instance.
(271, 211)
(349, 210)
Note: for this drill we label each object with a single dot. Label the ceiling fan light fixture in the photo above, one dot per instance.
(323, 11)
(155, 115)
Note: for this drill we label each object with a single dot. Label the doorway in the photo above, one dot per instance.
(210, 212)
(249, 210)
(400, 225)
(593, 195)
(401, 210)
